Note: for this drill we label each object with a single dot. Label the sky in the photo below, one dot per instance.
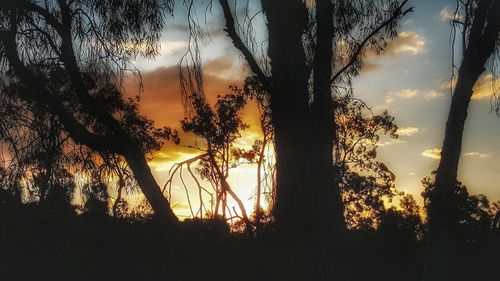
(411, 80)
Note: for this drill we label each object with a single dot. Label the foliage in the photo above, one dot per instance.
(403, 222)
(365, 181)
(475, 214)
(217, 128)
(96, 198)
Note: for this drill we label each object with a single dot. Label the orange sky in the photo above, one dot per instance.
(161, 101)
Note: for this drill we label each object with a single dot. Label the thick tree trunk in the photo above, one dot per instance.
(442, 240)
(291, 116)
(308, 206)
(329, 208)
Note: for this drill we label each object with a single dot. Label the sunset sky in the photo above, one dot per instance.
(411, 81)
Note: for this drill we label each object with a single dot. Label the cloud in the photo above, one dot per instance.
(161, 101)
(407, 93)
(432, 94)
(434, 153)
(477, 154)
(448, 15)
(389, 100)
(412, 93)
(485, 87)
(173, 47)
(390, 142)
(407, 42)
(224, 68)
(407, 131)
(161, 98)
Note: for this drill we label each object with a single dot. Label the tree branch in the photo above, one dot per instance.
(78, 132)
(238, 43)
(398, 12)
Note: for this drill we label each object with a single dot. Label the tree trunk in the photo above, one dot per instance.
(291, 115)
(139, 166)
(329, 209)
(308, 207)
(258, 193)
(121, 184)
(442, 240)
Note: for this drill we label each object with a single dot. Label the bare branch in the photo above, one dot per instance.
(397, 13)
(238, 43)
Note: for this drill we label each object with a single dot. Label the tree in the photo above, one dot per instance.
(364, 181)
(312, 51)
(216, 131)
(474, 213)
(253, 90)
(88, 44)
(403, 223)
(480, 40)
(35, 143)
(96, 198)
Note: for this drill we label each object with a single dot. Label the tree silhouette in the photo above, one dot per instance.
(254, 91)
(475, 214)
(35, 143)
(216, 130)
(364, 181)
(96, 198)
(312, 52)
(301, 40)
(403, 223)
(89, 45)
(480, 32)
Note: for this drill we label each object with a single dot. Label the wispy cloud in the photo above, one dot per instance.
(390, 142)
(408, 131)
(407, 93)
(407, 43)
(173, 47)
(434, 153)
(404, 94)
(477, 154)
(432, 94)
(447, 14)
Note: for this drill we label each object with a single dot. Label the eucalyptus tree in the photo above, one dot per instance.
(364, 181)
(479, 24)
(216, 129)
(88, 46)
(312, 50)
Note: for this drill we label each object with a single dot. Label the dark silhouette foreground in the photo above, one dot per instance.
(44, 243)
